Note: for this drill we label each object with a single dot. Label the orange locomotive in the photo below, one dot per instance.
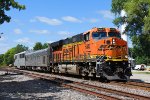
(97, 52)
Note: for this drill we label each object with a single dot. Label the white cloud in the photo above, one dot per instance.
(17, 31)
(71, 19)
(39, 31)
(106, 14)
(23, 40)
(63, 33)
(49, 21)
(93, 20)
(16, 21)
(2, 38)
(49, 41)
(32, 20)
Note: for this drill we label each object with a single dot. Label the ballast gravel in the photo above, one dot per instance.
(105, 85)
(38, 89)
(141, 77)
(20, 87)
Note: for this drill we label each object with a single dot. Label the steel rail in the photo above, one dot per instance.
(131, 95)
(139, 85)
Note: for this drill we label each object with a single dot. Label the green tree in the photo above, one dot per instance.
(141, 48)
(1, 59)
(138, 25)
(9, 55)
(45, 45)
(130, 52)
(38, 46)
(6, 5)
(138, 15)
(19, 48)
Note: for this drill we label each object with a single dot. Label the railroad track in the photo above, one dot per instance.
(105, 93)
(134, 85)
(141, 84)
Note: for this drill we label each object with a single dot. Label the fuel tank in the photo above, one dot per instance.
(69, 69)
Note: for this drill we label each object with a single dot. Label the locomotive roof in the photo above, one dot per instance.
(37, 52)
(75, 38)
(21, 53)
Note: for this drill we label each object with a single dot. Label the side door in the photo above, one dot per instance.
(87, 43)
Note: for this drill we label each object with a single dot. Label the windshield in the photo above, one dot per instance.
(114, 34)
(99, 35)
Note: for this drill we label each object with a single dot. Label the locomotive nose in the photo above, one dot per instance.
(110, 41)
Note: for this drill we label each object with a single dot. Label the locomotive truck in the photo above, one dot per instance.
(99, 52)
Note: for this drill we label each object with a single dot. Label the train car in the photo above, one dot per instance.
(97, 52)
(33, 60)
(19, 60)
(38, 59)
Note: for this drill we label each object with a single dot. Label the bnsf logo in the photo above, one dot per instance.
(87, 46)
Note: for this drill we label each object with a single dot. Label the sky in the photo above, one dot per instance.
(47, 21)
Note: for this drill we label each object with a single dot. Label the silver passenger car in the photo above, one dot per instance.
(39, 58)
(19, 60)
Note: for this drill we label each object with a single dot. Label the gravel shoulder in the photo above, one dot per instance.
(105, 85)
(20, 87)
(141, 76)
(17, 87)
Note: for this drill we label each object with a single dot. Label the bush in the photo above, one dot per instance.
(142, 60)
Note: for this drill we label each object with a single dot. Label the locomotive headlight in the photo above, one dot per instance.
(113, 41)
(109, 57)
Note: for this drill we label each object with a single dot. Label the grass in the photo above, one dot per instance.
(2, 66)
(141, 72)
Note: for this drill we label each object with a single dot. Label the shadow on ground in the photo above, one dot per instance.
(31, 89)
(136, 80)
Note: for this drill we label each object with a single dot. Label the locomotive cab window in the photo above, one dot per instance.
(114, 34)
(87, 36)
(22, 55)
(98, 35)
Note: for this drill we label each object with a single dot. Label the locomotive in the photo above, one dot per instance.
(99, 52)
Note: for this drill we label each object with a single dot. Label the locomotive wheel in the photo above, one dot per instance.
(50, 70)
(94, 75)
(103, 79)
(85, 75)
